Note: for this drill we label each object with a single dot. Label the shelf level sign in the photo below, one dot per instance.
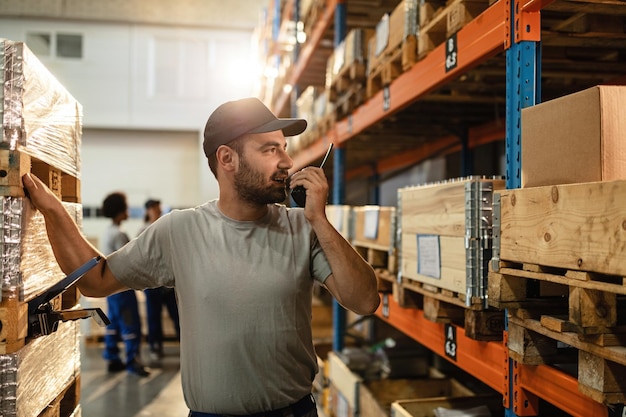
(451, 53)
(450, 338)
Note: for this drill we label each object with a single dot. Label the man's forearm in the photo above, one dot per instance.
(353, 279)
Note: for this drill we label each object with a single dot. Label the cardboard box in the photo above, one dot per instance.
(576, 138)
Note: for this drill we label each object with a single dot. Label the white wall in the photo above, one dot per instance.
(147, 77)
(146, 92)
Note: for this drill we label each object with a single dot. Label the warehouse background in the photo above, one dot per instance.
(147, 74)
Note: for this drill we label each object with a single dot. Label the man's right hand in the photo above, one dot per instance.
(39, 194)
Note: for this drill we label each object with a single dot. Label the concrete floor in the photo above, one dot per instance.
(124, 395)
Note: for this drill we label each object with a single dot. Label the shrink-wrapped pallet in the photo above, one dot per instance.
(28, 266)
(41, 134)
(39, 117)
(36, 375)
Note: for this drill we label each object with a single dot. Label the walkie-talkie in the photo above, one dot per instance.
(299, 192)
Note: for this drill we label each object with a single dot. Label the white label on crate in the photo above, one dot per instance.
(428, 256)
(372, 215)
(336, 219)
(382, 34)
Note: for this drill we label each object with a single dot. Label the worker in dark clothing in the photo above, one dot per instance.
(122, 308)
(158, 297)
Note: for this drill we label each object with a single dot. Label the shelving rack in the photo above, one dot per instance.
(505, 41)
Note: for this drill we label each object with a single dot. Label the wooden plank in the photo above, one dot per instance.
(529, 347)
(438, 209)
(613, 353)
(13, 325)
(438, 311)
(13, 165)
(602, 380)
(573, 226)
(484, 324)
(592, 308)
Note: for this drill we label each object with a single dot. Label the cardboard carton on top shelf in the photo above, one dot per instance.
(576, 138)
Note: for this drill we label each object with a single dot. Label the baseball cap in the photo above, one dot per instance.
(248, 115)
(151, 203)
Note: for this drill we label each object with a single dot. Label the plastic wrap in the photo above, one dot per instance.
(28, 263)
(36, 374)
(10, 245)
(39, 116)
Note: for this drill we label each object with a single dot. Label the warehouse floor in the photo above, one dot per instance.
(124, 395)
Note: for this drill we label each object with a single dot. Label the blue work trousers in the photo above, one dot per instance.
(156, 298)
(123, 312)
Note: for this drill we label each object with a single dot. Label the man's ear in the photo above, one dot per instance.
(226, 157)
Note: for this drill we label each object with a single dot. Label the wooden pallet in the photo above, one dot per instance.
(557, 319)
(15, 163)
(443, 22)
(348, 76)
(391, 66)
(592, 306)
(14, 319)
(346, 103)
(601, 369)
(444, 306)
(67, 401)
(13, 307)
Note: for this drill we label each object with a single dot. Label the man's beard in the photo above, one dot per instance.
(250, 184)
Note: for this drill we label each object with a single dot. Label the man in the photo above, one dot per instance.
(156, 298)
(122, 307)
(243, 268)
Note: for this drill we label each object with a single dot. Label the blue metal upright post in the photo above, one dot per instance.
(339, 314)
(523, 76)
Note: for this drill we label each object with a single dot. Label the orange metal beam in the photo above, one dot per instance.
(481, 38)
(559, 389)
(307, 52)
(480, 135)
(484, 360)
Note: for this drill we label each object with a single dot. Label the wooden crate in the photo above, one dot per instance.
(374, 236)
(341, 217)
(578, 227)
(440, 22)
(375, 227)
(376, 397)
(445, 237)
(394, 48)
(425, 407)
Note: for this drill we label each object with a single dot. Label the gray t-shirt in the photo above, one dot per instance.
(244, 292)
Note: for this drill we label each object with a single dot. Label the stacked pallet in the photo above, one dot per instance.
(445, 240)
(439, 20)
(560, 261)
(394, 48)
(313, 106)
(41, 134)
(346, 71)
